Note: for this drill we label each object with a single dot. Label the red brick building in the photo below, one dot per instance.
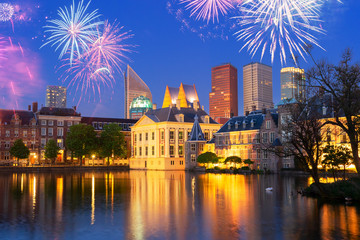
(223, 99)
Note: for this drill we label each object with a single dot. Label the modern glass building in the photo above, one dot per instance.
(292, 83)
(55, 97)
(134, 87)
(139, 106)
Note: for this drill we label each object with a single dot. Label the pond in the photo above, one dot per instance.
(167, 205)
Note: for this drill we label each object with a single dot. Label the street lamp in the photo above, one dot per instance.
(93, 157)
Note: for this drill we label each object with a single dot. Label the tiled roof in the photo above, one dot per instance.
(58, 111)
(170, 114)
(237, 123)
(196, 132)
(90, 120)
(7, 115)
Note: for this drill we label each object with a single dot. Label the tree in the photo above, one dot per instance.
(334, 156)
(112, 142)
(19, 150)
(207, 157)
(233, 159)
(248, 162)
(51, 150)
(342, 83)
(81, 140)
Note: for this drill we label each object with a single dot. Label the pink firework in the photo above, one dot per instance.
(208, 9)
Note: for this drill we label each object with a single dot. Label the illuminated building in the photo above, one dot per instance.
(184, 96)
(134, 87)
(158, 138)
(55, 97)
(292, 83)
(223, 99)
(139, 106)
(257, 85)
(54, 123)
(125, 124)
(248, 137)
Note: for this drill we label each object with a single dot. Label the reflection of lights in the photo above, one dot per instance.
(92, 200)
(93, 156)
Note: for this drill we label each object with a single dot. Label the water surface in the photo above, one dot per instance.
(166, 205)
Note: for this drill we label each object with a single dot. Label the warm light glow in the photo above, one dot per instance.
(92, 200)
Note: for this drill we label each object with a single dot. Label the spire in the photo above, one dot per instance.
(167, 98)
(196, 132)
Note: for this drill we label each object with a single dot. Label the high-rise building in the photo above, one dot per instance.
(292, 83)
(134, 87)
(55, 97)
(184, 96)
(139, 106)
(257, 85)
(223, 98)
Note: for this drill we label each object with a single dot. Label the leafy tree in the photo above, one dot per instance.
(334, 156)
(207, 157)
(342, 83)
(51, 150)
(81, 140)
(248, 162)
(233, 159)
(19, 150)
(112, 142)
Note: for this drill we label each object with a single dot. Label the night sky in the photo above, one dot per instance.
(168, 51)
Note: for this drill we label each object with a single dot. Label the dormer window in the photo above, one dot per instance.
(236, 125)
(229, 126)
(181, 118)
(244, 124)
(207, 119)
(252, 123)
(324, 109)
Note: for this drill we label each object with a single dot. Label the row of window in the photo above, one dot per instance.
(138, 151)
(59, 123)
(60, 142)
(17, 133)
(162, 135)
(221, 140)
(50, 131)
(7, 144)
(100, 125)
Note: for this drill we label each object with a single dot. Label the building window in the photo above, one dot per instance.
(146, 136)
(7, 133)
(257, 138)
(181, 162)
(43, 122)
(16, 133)
(43, 142)
(207, 119)
(181, 150)
(69, 123)
(162, 150)
(60, 123)
(181, 135)
(286, 165)
(51, 123)
(153, 150)
(172, 135)
(140, 151)
(272, 137)
(43, 131)
(7, 144)
(181, 118)
(268, 124)
(172, 162)
(249, 138)
(7, 155)
(264, 165)
(172, 151)
(50, 132)
(265, 154)
(140, 137)
(25, 133)
(193, 158)
(60, 132)
(192, 147)
(146, 151)
(201, 147)
(135, 138)
(135, 151)
(265, 137)
(206, 135)
(153, 136)
(60, 143)
(258, 153)
(162, 135)
(33, 133)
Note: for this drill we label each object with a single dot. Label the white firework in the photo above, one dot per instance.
(6, 12)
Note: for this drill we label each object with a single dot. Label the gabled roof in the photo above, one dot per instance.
(170, 114)
(196, 132)
(7, 115)
(58, 111)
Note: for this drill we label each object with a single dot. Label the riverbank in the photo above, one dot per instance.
(37, 169)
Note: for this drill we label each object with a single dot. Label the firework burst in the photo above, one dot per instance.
(287, 25)
(6, 12)
(207, 10)
(74, 31)
(95, 69)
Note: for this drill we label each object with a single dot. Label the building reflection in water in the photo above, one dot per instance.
(167, 205)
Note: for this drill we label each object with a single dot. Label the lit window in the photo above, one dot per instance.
(181, 135)
(171, 151)
(181, 150)
(193, 158)
(193, 147)
(172, 135)
(146, 136)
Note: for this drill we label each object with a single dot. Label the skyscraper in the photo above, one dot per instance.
(257, 81)
(185, 95)
(223, 99)
(292, 83)
(55, 97)
(134, 87)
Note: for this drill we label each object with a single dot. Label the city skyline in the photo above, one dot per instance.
(163, 52)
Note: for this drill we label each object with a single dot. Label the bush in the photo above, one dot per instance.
(245, 168)
(216, 168)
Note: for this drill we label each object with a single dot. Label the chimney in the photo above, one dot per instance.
(196, 105)
(154, 106)
(35, 107)
(178, 103)
(29, 107)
